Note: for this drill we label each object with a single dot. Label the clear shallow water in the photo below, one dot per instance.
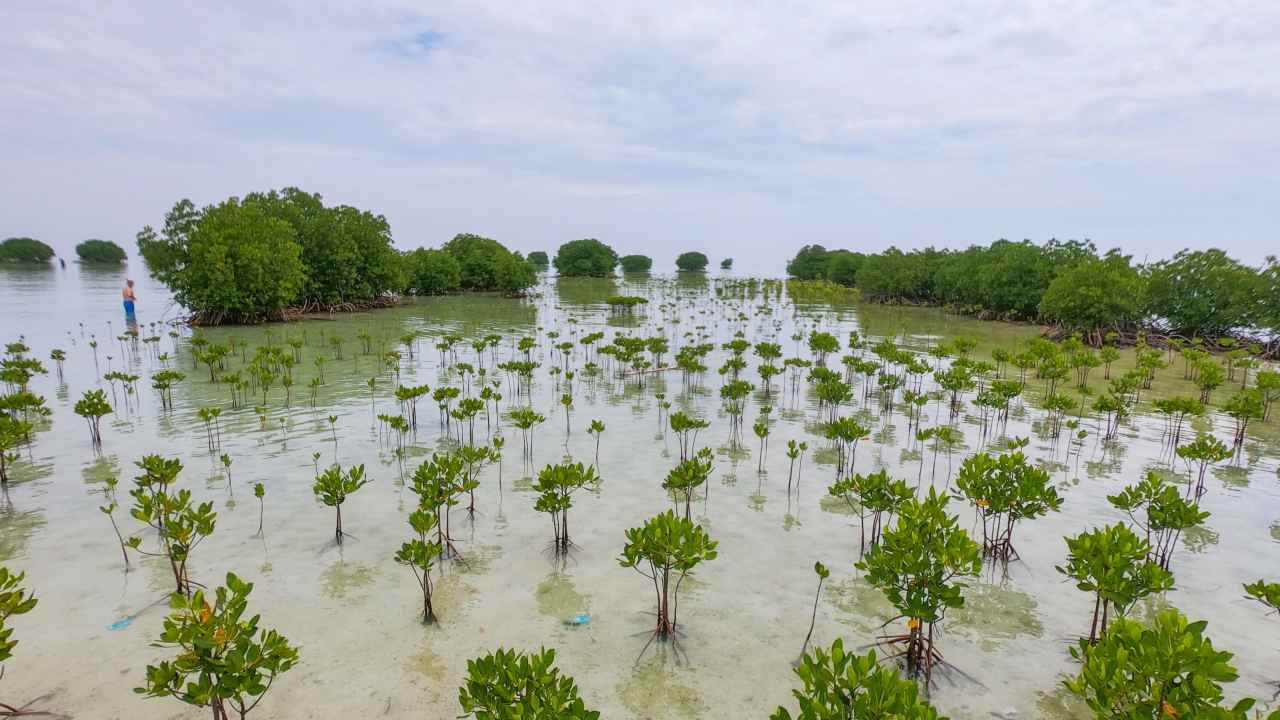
(354, 612)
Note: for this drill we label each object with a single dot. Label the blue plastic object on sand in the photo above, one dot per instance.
(120, 624)
(579, 619)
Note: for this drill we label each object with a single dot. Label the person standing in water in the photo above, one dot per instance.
(129, 298)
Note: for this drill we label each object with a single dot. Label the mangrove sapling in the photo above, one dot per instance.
(1005, 489)
(916, 566)
(419, 553)
(1165, 514)
(260, 492)
(92, 406)
(686, 428)
(110, 511)
(437, 483)
(525, 418)
(665, 549)
(1203, 452)
(180, 525)
(761, 429)
(13, 432)
(509, 684)
(874, 494)
(686, 477)
(556, 485)
(14, 600)
(596, 428)
(795, 451)
(225, 662)
(1111, 563)
(332, 488)
(59, 357)
(1164, 668)
(823, 574)
(847, 686)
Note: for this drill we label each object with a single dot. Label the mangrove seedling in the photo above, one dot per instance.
(917, 565)
(179, 524)
(110, 511)
(686, 477)
(823, 574)
(332, 488)
(1167, 669)
(225, 661)
(92, 406)
(665, 550)
(1162, 513)
(419, 553)
(556, 485)
(1005, 489)
(844, 685)
(596, 428)
(14, 600)
(1112, 563)
(260, 492)
(686, 427)
(510, 684)
(874, 495)
(761, 429)
(13, 432)
(1205, 451)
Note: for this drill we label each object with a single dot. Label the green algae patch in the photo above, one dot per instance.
(343, 582)
(558, 598)
(997, 613)
(653, 691)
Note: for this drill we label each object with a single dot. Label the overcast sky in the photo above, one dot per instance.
(743, 129)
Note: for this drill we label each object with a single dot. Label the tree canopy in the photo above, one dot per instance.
(587, 257)
(487, 264)
(1203, 292)
(636, 263)
(539, 259)
(810, 263)
(100, 251)
(692, 261)
(1096, 294)
(431, 272)
(25, 250)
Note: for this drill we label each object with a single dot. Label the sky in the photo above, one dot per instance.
(742, 129)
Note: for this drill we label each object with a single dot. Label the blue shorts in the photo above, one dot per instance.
(128, 307)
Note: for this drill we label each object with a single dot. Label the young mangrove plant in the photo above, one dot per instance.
(225, 661)
(110, 511)
(917, 565)
(14, 600)
(332, 488)
(686, 477)
(525, 418)
(1165, 668)
(761, 429)
(665, 550)
(873, 495)
(92, 406)
(260, 492)
(420, 553)
(1005, 489)
(437, 483)
(596, 429)
(555, 486)
(847, 686)
(180, 525)
(1112, 563)
(795, 451)
(823, 573)
(1161, 511)
(1200, 454)
(506, 684)
(686, 428)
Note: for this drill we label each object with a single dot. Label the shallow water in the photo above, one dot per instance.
(355, 613)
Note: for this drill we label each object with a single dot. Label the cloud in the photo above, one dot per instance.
(741, 128)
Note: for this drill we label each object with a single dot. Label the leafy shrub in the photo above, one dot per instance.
(1168, 669)
(100, 251)
(1096, 294)
(1204, 292)
(585, 258)
(810, 263)
(539, 259)
(231, 262)
(486, 264)
(25, 250)
(510, 685)
(844, 685)
(726, 264)
(636, 263)
(692, 262)
(431, 272)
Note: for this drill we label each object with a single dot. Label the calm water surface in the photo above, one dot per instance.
(354, 612)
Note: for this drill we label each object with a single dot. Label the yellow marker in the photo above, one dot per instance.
(913, 624)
